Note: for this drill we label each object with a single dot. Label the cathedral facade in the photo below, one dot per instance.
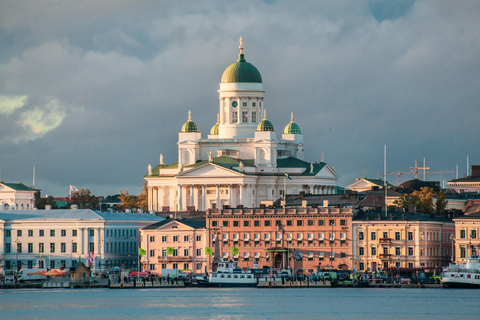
(241, 162)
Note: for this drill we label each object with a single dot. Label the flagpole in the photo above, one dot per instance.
(138, 266)
(284, 191)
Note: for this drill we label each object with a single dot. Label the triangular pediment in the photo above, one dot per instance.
(327, 172)
(210, 170)
(363, 184)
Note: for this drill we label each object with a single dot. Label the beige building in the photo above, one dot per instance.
(467, 242)
(187, 238)
(400, 240)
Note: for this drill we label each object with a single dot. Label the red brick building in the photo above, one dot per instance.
(322, 236)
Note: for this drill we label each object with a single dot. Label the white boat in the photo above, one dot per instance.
(228, 274)
(462, 275)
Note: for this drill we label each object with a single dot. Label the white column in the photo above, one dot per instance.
(179, 202)
(241, 194)
(218, 197)
(150, 199)
(160, 199)
(85, 241)
(196, 190)
(230, 196)
(155, 198)
(204, 197)
(192, 189)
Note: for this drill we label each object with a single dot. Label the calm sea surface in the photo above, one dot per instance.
(211, 303)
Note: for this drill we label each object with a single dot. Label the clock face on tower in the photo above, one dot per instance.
(234, 104)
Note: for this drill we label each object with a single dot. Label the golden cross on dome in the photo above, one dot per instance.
(218, 118)
(189, 115)
(241, 45)
(292, 117)
(265, 114)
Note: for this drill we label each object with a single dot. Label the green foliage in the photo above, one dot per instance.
(440, 204)
(422, 200)
(41, 203)
(84, 199)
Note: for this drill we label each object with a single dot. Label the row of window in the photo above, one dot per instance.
(463, 233)
(41, 247)
(41, 233)
(175, 238)
(373, 235)
(373, 251)
(124, 233)
(279, 236)
(288, 223)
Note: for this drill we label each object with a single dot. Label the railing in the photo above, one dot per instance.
(385, 240)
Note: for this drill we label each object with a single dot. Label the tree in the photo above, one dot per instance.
(422, 200)
(41, 203)
(84, 199)
(128, 201)
(142, 198)
(441, 203)
(425, 203)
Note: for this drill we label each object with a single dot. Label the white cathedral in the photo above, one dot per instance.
(241, 163)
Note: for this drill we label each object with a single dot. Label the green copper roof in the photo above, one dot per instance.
(265, 125)
(241, 71)
(18, 186)
(214, 130)
(189, 126)
(292, 128)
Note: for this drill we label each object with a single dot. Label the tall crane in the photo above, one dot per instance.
(414, 171)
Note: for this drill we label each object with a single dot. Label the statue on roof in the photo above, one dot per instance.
(161, 159)
(149, 169)
(311, 167)
(210, 156)
(240, 166)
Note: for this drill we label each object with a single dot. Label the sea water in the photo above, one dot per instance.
(239, 303)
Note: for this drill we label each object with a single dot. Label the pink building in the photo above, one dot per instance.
(186, 238)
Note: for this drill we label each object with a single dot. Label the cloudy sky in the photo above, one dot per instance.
(91, 92)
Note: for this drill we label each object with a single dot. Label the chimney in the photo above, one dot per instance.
(325, 203)
(48, 207)
(304, 203)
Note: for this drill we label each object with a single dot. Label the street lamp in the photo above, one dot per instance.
(16, 257)
(452, 237)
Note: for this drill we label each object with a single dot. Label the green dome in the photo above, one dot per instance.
(214, 130)
(189, 126)
(241, 71)
(292, 128)
(265, 125)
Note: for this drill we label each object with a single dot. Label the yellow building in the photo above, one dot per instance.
(400, 240)
(467, 242)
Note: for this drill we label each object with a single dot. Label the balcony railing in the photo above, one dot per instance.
(385, 240)
(385, 255)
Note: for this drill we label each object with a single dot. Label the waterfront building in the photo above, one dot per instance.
(321, 237)
(17, 196)
(242, 162)
(400, 240)
(470, 183)
(187, 239)
(467, 240)
(60, 238)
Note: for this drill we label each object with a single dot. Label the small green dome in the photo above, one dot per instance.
(265, 125)
(292, 128)
(189, 126)
(214, 130)
(241, 71)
